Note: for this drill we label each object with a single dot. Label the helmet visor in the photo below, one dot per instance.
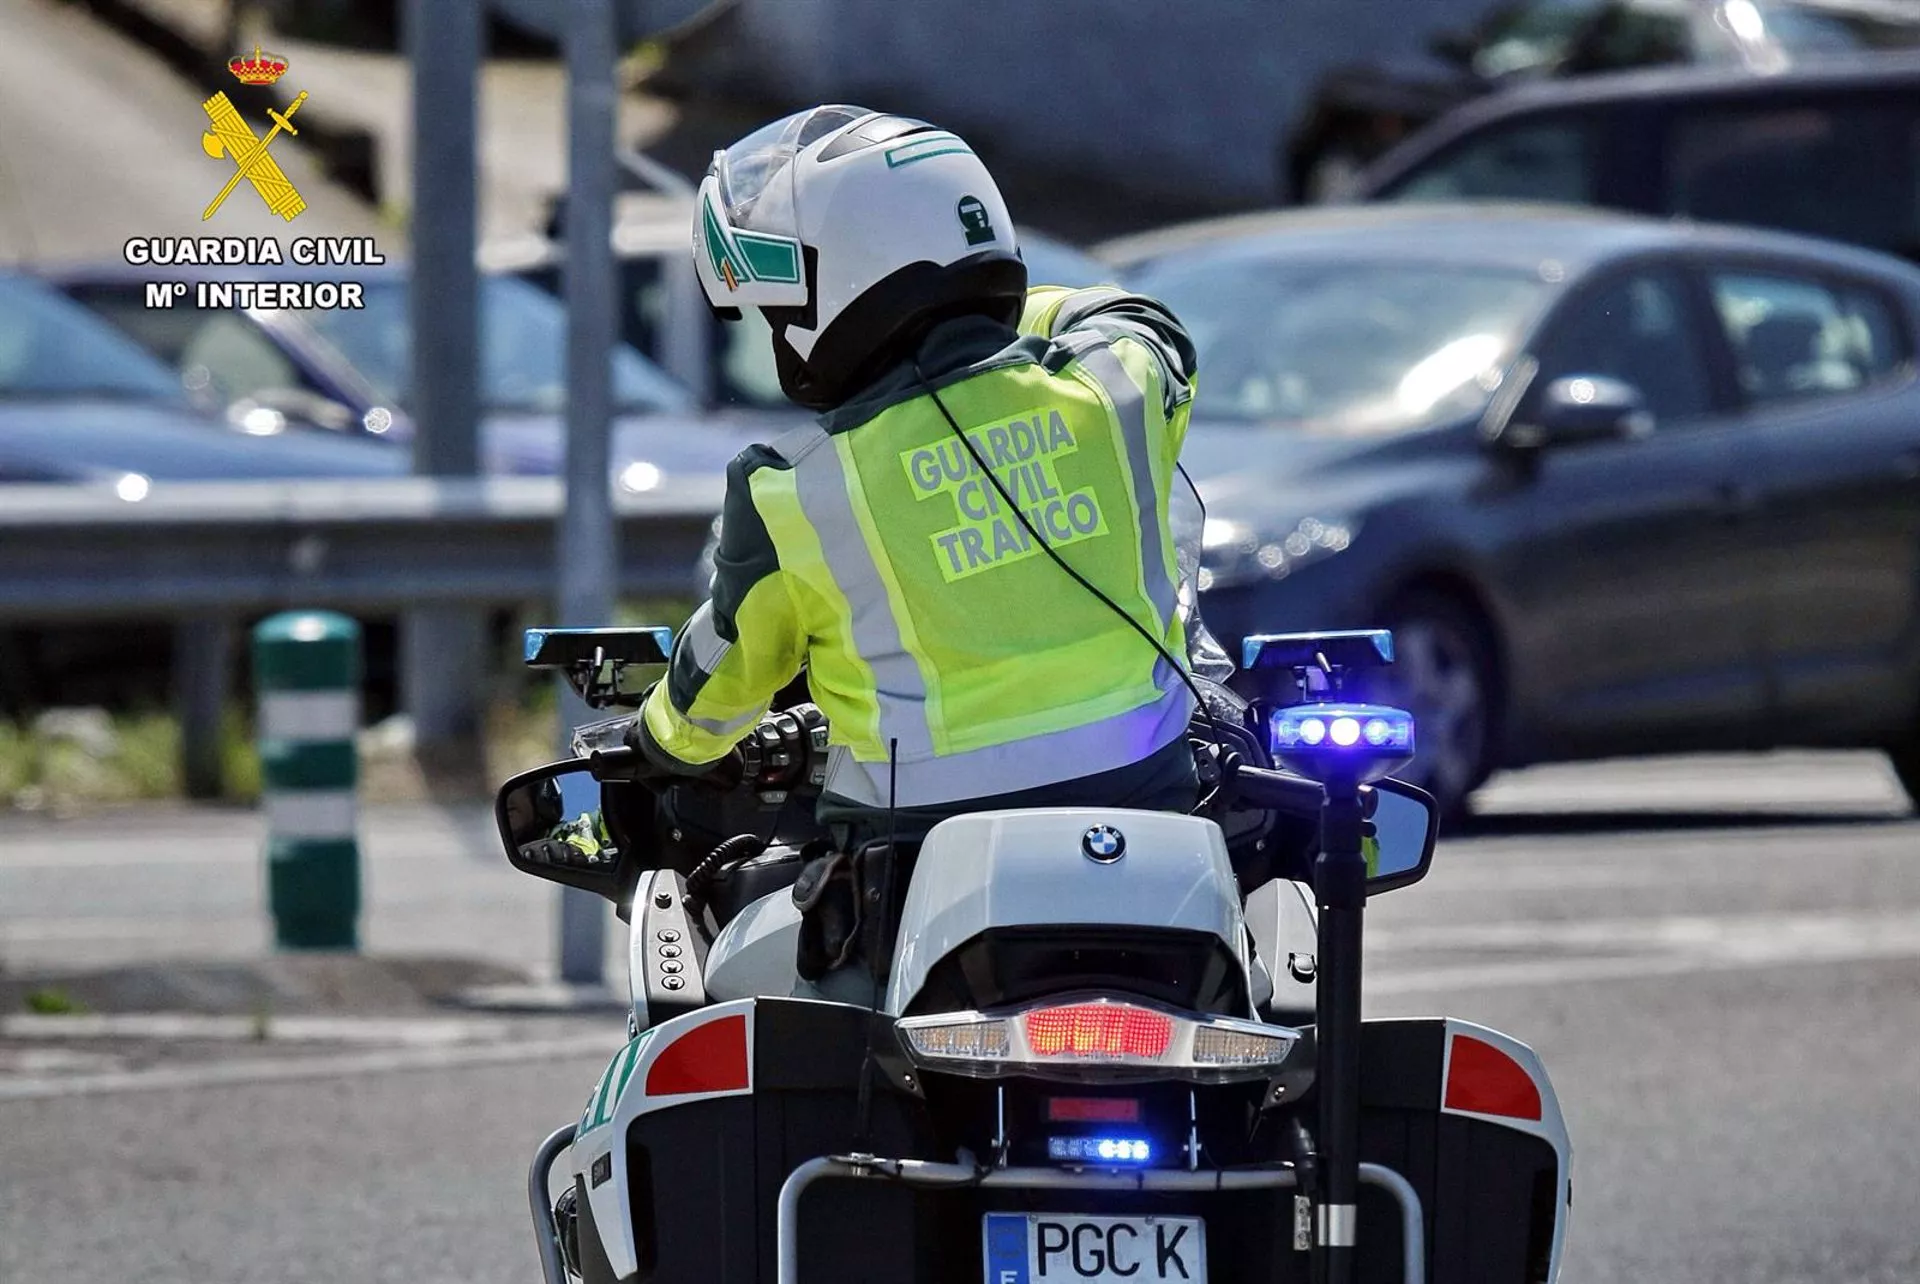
(749, 167)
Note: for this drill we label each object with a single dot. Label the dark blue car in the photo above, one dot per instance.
(81, 402)
(1619, 486)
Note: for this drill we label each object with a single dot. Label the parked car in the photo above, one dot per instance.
(1833, 151)
(1356, 113)
(349, 370)
(1619, 485)
(729, 364)
(80, 402)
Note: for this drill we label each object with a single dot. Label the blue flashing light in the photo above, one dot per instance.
(1104, 1150)
(1315, 737)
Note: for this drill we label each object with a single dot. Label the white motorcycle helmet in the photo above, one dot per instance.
(853, 232)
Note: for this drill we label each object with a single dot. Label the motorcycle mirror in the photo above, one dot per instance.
(595, 661)
(1406, 824)
(550, 824)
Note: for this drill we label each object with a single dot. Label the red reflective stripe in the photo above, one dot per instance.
(1483, 1079)
(707, 1058)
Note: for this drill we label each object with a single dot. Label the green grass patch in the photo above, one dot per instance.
(52, 1001)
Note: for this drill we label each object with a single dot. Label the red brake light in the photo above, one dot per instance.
(1093, 1110)
(1098, 1030)
(1483, 1079)
(707, 1058)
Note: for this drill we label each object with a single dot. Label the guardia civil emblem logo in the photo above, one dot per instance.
(232, 138)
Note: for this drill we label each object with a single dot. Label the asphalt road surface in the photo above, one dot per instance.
(1719, 961)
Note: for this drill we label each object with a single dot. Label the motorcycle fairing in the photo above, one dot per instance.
(702, 1056)
(999, 870)
(1486, 1076)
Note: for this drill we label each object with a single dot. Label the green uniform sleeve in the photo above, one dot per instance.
(738, 650)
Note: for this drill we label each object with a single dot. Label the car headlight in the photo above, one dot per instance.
(1238, 553)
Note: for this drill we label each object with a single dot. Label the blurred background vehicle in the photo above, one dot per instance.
(1618, 486)
(732, 369)
(1356, 113)
(81, 402)
(348, 371)
(1830, 151)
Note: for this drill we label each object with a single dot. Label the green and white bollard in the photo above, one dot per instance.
(306, 668)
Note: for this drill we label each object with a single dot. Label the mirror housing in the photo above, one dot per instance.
(594, 661)
(1580, 409)
(540, 813)
(1406, 821)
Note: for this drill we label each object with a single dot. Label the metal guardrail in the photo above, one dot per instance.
(229, 548)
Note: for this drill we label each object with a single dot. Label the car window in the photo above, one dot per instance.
(1632, 35)
(1528, 36)
(52, 347)
(1349, 346)
(522, 350)
(221, 354)
(1844, 170)
(1633, 328)
(1799, 28)
(228, 353)
(1795, 337)
(1547, 160)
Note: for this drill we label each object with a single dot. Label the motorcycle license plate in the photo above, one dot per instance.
(1074, 1248)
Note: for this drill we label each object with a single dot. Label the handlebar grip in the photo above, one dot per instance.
(1278, 791)
(1294, 795)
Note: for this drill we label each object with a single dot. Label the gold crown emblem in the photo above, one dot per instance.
(261, 69)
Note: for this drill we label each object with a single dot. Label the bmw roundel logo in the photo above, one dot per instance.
(1103, 843)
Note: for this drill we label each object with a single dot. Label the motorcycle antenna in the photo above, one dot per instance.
(883, 914)
(1159, 647)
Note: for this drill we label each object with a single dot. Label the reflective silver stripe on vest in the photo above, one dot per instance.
(1130, 404)
(703, 642)
(899, 689)
(1111, 743)
(724, 727)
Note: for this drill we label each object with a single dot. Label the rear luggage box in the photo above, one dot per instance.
(705, 1178)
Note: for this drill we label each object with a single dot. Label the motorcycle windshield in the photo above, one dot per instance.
(1187, 516)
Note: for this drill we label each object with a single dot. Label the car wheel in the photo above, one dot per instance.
(1443, 673)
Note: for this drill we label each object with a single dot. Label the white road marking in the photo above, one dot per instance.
(407, 1032)
(222, 1074)
(1671, 947)
(1759, 936)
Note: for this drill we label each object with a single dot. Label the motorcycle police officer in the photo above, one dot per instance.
(968, 551)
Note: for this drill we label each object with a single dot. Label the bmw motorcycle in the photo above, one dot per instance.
(1076, 1044)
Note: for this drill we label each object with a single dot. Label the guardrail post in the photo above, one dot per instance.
(202, 652)
(306, 667)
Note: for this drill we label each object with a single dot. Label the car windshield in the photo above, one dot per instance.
(1343, 346)
(1825, 29)
(51, 347)
(523, 334)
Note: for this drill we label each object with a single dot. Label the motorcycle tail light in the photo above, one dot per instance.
(1100, 1031)
(971, 1037)
(1096, 1038)
(1237, 1045)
